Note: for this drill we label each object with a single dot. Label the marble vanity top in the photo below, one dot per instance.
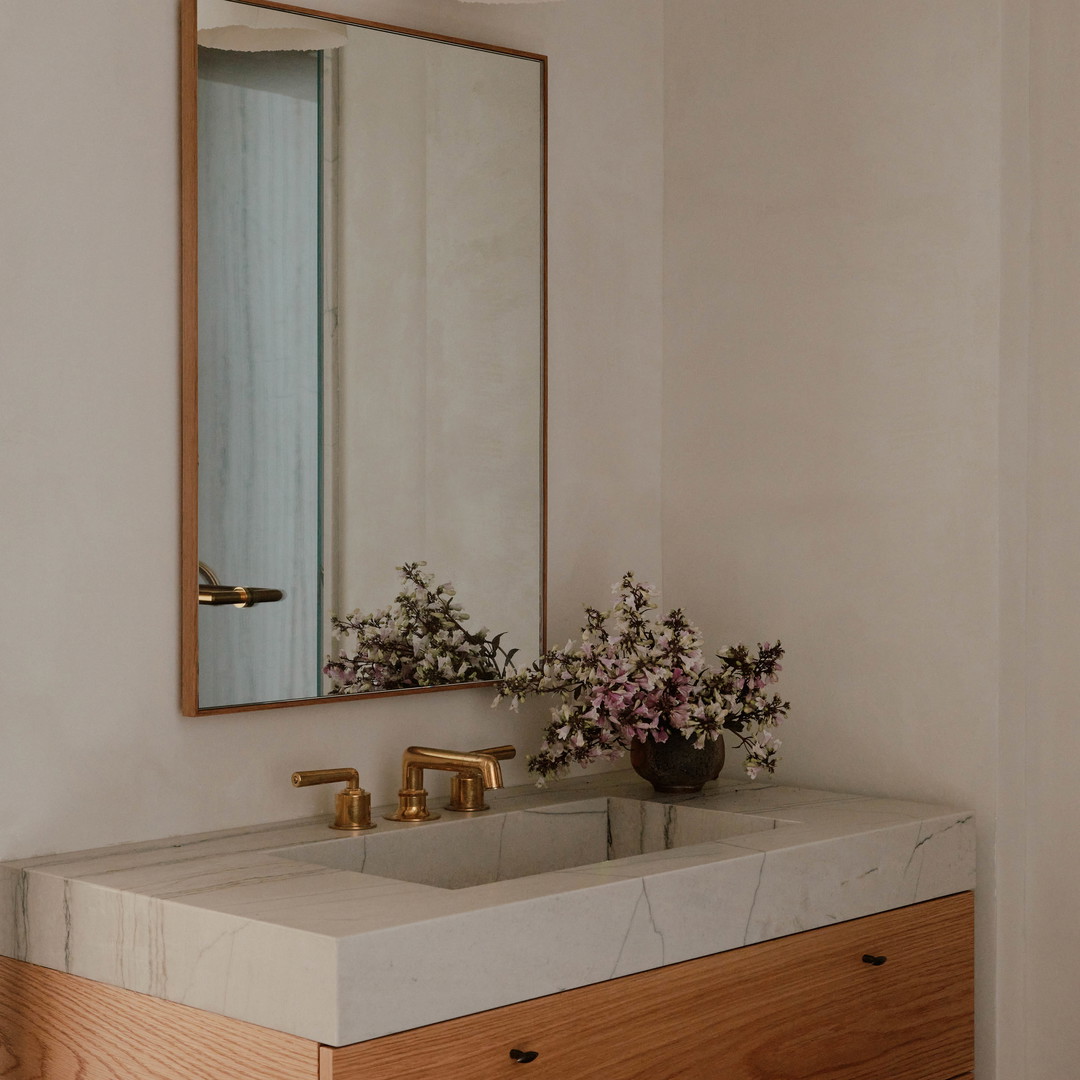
(231, 922)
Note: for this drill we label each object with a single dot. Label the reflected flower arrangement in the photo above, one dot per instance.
(418, 640)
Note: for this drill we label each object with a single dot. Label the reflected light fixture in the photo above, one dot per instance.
(240, 28)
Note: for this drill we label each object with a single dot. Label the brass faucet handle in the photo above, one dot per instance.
(352, 805)
(326, 776)
(467, 787)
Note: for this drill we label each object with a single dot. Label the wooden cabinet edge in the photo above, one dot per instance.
(326, 1062)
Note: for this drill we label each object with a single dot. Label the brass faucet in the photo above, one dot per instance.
(478, 769)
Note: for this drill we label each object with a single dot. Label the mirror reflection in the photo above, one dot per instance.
(370, 358)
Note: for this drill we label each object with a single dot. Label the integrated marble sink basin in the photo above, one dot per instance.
(462, 853)
(338, 939)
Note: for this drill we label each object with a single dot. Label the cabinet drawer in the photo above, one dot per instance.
(802, 1007)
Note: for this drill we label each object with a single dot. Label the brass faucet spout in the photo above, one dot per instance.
(418, 758)
(412, 798)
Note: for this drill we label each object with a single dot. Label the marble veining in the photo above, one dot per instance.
(340, 939)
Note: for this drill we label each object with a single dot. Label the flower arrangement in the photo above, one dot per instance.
(419, 640)
(633, 677)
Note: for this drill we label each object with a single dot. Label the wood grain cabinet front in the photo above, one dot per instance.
(888, 997)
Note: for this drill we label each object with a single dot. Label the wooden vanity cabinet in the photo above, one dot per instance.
(808, 1006)
(887, 997)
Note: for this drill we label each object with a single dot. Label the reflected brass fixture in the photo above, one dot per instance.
(219, 595)
(352, 804)
(467, 787)
(412, 798)
(206, 572)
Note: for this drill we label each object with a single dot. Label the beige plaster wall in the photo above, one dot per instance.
(1050, 978)
(92, 747)
(1007, 928)
(831, 380)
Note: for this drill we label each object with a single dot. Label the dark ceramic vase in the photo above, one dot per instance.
(677, 767)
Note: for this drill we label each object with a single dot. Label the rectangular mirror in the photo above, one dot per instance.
(364, 306)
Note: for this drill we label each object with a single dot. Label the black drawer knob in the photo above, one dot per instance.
(877, 961)
(523, 1057)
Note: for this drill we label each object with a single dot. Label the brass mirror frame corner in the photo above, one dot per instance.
(189, 357)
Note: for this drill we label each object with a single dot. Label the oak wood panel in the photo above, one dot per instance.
(796, 1008)
(55, 1026)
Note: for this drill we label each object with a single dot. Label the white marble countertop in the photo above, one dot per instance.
(232, 923)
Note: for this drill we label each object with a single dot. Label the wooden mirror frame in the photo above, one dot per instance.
(189, 362)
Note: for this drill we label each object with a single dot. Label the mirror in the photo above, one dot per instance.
(363, 358)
